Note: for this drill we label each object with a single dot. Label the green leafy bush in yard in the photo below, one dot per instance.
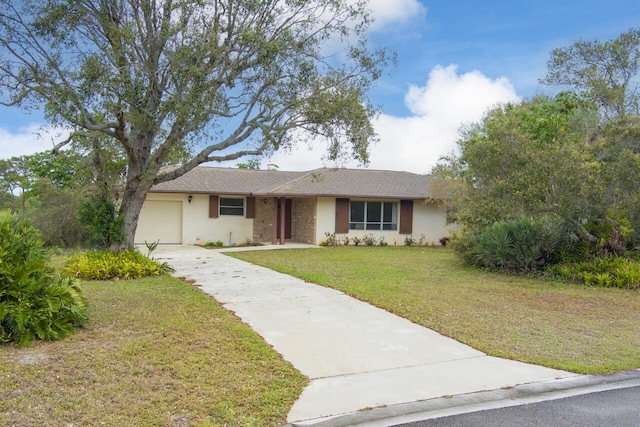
(409, 241)
(330, 240)
(34, 301)
(105, 265)
(102, 219)
(369, 240)
(614, 271)
(517, 245)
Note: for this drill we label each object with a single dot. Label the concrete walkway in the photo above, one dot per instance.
(357, 356)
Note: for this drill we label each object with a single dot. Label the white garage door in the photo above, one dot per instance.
(160, 220)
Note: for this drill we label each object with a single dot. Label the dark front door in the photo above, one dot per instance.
(287, 218)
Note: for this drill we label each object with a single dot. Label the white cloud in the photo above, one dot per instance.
(415, 143)
(27, 140)
(388, 12)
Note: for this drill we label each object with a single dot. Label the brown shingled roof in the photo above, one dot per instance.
(353, 183)
(210, 180)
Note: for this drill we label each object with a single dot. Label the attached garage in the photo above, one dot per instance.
(160, 220)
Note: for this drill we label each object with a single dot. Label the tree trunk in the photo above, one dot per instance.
(132, 201)
(582, 231)
(130, 211)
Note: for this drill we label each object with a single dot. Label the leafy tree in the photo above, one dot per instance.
(65, 169)
(16, 177)
(22, 174)
(531, 158)
(253, 164)
(105, 162)
(9, 182)
(196, 81)
(52, 186)
(605, 73)
(575, 156)
(618, 149)
(53, 211)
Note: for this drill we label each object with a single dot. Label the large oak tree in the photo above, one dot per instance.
(192, 80)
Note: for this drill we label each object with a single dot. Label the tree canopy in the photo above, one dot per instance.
(186, 82)
(531, 157)
(603, 72)
(573, 157)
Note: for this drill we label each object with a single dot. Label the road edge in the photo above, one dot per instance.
(478, 401)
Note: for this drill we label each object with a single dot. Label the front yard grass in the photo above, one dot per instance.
(156, 352)
(551, 323)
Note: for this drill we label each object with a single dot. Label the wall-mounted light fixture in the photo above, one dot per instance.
(190, 198)
(265, 201)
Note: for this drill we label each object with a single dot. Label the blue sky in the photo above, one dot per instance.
(455, 60)
(498, 38)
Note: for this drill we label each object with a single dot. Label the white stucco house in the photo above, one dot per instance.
(236, 206)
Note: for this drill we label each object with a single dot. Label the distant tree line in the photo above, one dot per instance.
(61, 193)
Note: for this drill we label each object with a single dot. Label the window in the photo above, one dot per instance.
(373, 215)
(231, 206)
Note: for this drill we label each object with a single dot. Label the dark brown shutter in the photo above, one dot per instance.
(406, 216)
(213, 206)
(251, 207)
(342, 216)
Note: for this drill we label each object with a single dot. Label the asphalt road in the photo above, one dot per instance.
(619, 408)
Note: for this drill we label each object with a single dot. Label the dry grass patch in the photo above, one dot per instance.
(156, 352)
(565, 326)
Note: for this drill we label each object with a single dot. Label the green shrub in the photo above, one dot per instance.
(34, 301)
(216, 244)
(103, 221)
(613, 234)
(461, 244)
(330, 239)
(517, 245)
(105, 265)
(614, 271)
(369, 240)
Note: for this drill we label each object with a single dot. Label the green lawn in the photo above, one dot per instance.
(156, 352)
(565, 326)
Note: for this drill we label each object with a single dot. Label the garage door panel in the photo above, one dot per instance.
(160, 220)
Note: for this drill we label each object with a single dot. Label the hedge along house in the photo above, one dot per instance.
(236, 206)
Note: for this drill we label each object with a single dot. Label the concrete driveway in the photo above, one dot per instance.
(356, 355)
